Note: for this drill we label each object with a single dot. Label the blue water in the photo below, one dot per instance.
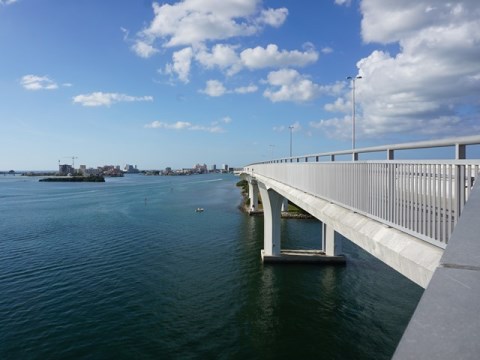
(127, 269)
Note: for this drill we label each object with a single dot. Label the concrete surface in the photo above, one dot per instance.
(304, 257)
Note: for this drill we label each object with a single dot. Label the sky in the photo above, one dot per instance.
(176, 83)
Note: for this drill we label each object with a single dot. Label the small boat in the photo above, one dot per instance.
(199, 210)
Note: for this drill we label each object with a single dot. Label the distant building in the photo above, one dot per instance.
(92, 171)
(65, 169)
(200, 169)
(224, 168)
(130, 169)
(213, 168)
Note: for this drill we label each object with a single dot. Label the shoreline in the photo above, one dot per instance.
(244, 207)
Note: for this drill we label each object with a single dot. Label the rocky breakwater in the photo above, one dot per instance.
(92, 178)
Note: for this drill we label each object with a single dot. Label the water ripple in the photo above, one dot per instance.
(127, 269)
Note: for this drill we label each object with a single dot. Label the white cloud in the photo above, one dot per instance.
(274, 17)
(343, 2)
(182, 61)
(222, 56)
(179, 125)
(143, 49)
(246, 89)
(426, 88)
(327, 50)
(340, 105)
(392, 21)
(107, 99)
(214, 88)
(125, 32)
(339, 127)
(185, 125)
(193, 22)
(7, 2)
(296, 126)
(35, 82)
(225, 57)
(289, 85)
(259, 57)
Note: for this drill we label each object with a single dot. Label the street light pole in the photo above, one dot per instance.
(352, 78)
(291, 128)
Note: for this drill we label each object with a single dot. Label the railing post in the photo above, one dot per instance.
(390, 154)
(391, 191)
(460, 152)
(460, 190)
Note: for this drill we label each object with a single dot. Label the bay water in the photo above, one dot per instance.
(127, 269)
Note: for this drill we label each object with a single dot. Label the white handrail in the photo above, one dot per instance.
(421, 197)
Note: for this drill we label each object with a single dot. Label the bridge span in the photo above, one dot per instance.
(404, 212)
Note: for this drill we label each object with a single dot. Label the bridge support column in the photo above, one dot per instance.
(272, 202)
(330, 246)
(253, 194)
(285, 204)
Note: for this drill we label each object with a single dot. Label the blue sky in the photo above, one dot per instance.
(219, 82)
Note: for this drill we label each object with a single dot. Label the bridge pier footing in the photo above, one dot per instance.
(303, 257)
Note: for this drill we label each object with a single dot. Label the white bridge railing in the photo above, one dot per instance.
(423, 198)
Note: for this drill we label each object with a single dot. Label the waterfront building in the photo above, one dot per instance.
(130, 169)
(65, 169)
(92, 171)
(200, 169)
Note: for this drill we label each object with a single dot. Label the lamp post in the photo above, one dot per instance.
(352, 78)
(291, 129)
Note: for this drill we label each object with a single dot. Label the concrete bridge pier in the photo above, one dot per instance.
(272, 252)
(330, 245)
(272, 202)
(285, 204)
(253, 194)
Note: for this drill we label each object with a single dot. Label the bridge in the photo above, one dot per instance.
(420, 217)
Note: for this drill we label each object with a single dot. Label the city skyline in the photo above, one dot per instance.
(177, 83)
